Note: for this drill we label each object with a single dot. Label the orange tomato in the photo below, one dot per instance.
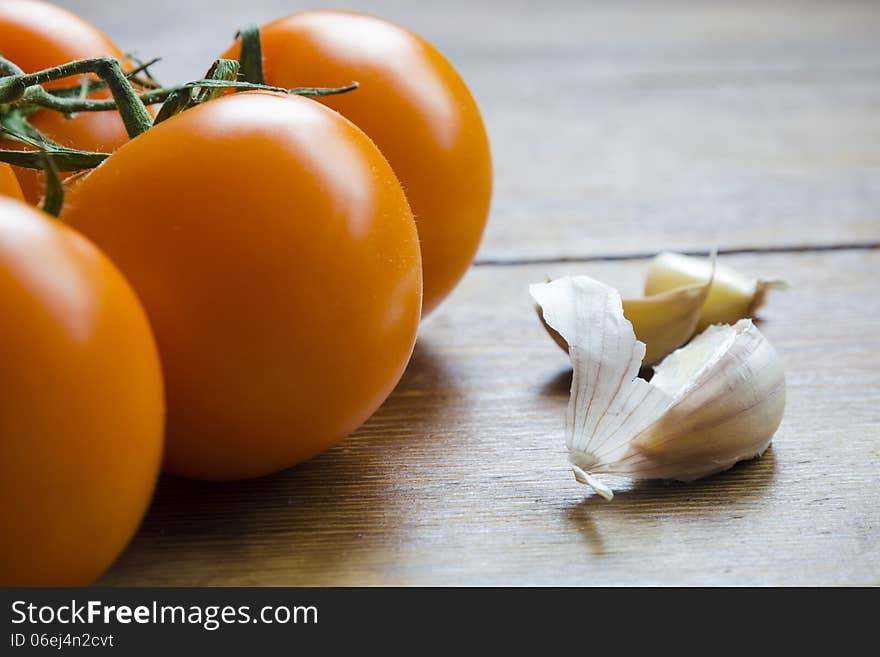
(9, 183)
(415, 107)
(278, 261)
(81, 404)
(38, 35)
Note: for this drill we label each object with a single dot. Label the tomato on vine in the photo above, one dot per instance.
(414, 106)
(278, 261)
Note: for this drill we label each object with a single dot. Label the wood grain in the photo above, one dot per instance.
(461, 477)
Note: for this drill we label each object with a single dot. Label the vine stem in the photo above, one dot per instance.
(69, 105)
(251, 56)
(24, 90)
(54, 200)
(135, 116)
(88, 86)
(63, 158)
(23, 94)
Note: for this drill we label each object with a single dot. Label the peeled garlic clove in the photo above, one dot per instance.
(662, 321)
(710, 404)
(732, 295)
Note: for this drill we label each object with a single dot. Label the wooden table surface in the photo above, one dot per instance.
(618, 130)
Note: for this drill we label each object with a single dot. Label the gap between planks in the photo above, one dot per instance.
(644, 255)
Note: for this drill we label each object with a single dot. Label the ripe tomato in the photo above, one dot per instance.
(278, 261)
(81, 406)
(8, 183)
(38, 35)
(415, 107)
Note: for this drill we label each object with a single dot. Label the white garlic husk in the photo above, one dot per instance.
(662, 321)
(712, 403)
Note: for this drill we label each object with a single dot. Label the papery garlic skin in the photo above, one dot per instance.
(732, 295)
(725, 412)
(712, 403)
(663, 321)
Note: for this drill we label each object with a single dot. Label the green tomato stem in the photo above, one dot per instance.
(135, 116)
(222, 70)
(225, 70)
(54, 200)
(22, 95)
(323, 91)
(134, 113)
(64, 160)
(88, 86)
(67, 105)
(251, 57)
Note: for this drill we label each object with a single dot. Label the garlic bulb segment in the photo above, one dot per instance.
(712, 403)
(663, 321)
(732, 295)
(667, 320)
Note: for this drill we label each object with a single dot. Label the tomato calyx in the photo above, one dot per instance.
(180, 100)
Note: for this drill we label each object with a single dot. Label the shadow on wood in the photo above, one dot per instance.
(559, 385)
(718, 494)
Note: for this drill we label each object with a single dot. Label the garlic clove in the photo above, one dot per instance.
(663, 321)
(712, 403)
(667, 320)
(732, 295)
(728, 387)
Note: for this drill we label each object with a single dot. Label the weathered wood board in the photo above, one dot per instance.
(461, 477)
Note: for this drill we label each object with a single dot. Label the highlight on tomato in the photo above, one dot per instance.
(37, 35)
(278, 261)
(414, 106)
(81, 409)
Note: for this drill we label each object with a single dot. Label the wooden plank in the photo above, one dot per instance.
(639, 169)
(622, 128)
(461, 477)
